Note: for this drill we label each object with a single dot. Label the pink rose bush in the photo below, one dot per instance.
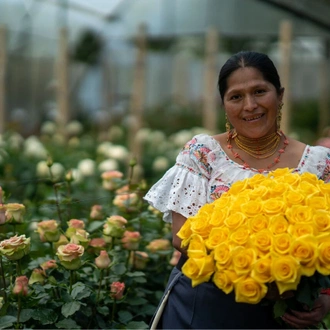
(15, 248)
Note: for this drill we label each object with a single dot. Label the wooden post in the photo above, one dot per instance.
(62, 81)
(284, 71)
(138, 93)
(324, 90)
(3, 67)
(180, 79)
(210, 80)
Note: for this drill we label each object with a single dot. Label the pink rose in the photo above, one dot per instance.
(14, 212)
(37, 276)
(96, 212)
(111, 180)
(103, 261)
(48, 231)
(97, 243)
(70, 255)
(117, 290)
(75, 223)
(21, 286)
(114, 226)
(127, 201)
(160, 244)
(175, 257)
(50, 264)
(131, 240)
(15, 247)
(139, 259)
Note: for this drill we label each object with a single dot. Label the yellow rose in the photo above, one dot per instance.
(256, 180)
(325, 188)
(257, 223)
(199, 270)
(222, 255)
(299, 214)
(262, 241)
(323, 260)
(292, 179)
(285, 270)
(310, 178)
(321, 220)
(238, 201)
(185, 232)
(242, 259)
(301, 229)
(280, 173)
(216, 237)
(235, 220)
(223, 201)
(252, 208)
(308, 188)
(197, 248)
(247, 290)
(218, 216)
(317, 202)
(293, 197)
(261, 270)
(278, 224)
(259, 192)
(273, 206)
(279, 189)
(224, 280)
(304, 250)
(281, 243)
(237, 187)
(240, 236)
(200, 225)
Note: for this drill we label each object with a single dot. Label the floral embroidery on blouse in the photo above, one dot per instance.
(218, 190)
(199, 152)
(326, 172)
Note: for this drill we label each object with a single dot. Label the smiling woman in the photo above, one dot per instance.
(208, 166)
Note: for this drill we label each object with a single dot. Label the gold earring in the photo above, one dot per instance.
(279, 117)
(228, 128)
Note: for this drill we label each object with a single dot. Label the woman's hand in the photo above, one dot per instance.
(303, 320)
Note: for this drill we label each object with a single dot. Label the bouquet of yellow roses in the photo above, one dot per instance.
(266, 230)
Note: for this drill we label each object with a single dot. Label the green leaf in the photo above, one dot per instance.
(67, 324)
(7, 321)
(137, 325)
(104, 310)
(70, 308)
(119, 269)
(137, 301)
(94, 225)
(77, 288)
(45, 316)
(135, 274)
(124, 316)
(26, 314)
(279, 308)
(140, 280)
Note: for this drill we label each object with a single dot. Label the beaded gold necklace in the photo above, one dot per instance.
(260, 148)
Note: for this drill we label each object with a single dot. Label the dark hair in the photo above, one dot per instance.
(249, 59)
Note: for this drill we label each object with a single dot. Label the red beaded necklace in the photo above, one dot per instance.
(232, 133)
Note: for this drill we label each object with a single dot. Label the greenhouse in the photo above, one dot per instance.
(97, 99)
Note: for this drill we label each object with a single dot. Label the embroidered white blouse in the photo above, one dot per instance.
(203, 171)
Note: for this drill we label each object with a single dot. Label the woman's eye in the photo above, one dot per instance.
(260, 91)
(234, 97)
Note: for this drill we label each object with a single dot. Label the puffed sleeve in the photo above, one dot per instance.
(183, 188)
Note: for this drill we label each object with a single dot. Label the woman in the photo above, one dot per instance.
(207, 166)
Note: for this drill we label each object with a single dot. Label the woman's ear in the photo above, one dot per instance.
(281, 93)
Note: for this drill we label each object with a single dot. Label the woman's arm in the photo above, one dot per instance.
(177, 222)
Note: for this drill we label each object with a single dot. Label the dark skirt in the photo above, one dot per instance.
(207, 307)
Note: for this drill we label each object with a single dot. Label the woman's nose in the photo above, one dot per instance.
(250, 103)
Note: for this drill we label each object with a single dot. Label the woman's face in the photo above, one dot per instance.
(251, 103)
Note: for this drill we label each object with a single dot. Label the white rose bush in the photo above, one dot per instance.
(78, 251)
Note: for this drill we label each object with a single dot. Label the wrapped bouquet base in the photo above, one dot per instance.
(265, 230)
